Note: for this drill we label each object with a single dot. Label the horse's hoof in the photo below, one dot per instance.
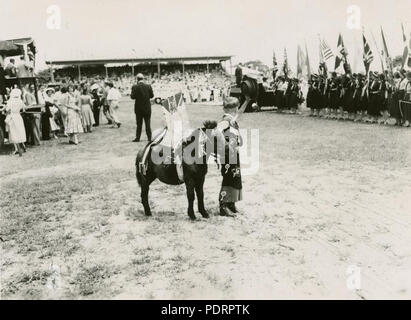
(192, 217)
(205, 214)
(148, 214)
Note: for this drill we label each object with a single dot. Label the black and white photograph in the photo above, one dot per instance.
(196, 150)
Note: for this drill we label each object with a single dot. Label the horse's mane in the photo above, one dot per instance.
(207, 125)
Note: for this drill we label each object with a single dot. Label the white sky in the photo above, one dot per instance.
(247, 29)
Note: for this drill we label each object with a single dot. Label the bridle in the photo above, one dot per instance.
(205, 137)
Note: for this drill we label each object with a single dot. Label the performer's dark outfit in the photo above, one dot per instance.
(231, 188)
(348, 95)
(356, 102)
(377, 89)
(334, 94)
(238, 76)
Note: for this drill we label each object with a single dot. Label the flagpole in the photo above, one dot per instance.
(405, 53)
(367, 70)
(388, 60)
(307, 61)
(379, 53)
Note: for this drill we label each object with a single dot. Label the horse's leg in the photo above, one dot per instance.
(190, 196)
(145, 188)
(199, 187)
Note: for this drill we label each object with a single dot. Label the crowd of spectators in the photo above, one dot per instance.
(197, 84)
(70, 106)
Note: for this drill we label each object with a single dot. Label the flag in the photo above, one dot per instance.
(172, 103)
(322, 68)
(285, 65)
(380, 54)
(176, 119)
(341, 56)
(409, 53)
(275, 66)
(300, 61)
(386, 55)
(405, 52)
(307, 62)
(327, 53)
(367, 55)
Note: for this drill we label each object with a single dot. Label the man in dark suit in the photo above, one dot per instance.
(239, 74)
(10, 70)
(142, 93)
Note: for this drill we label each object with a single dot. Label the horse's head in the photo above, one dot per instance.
(203, 143)
(215, 144)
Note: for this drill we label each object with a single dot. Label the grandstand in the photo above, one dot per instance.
(130, 66)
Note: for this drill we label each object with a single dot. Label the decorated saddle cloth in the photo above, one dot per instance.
(144, 160)
(172, 136)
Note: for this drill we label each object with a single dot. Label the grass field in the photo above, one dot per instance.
(328, 195)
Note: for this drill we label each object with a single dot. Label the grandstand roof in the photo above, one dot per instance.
(137, 60)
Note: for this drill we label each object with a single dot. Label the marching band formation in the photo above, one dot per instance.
(349, 97)
(357, 98)
(373, 97)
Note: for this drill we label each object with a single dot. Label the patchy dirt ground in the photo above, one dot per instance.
(328, 195)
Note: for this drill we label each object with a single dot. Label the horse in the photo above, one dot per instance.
(194, 167)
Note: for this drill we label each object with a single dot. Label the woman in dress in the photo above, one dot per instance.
(14, 121)
(74, 125)
(45, 119)
(87, 116)
(59, 98)
(51, 110)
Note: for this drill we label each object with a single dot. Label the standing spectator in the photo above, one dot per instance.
(52, 109)
(87, 117)
(96, 105)
(113, 99)
(239, 74)
(10, 70)
(74, 125)
(46, 115)
(142, 93)
(2, 79)
(33, 123)
(14, 121)
(58, 100)
(105, 104)
(23, 69)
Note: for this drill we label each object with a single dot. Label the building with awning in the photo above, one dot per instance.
(134, 62)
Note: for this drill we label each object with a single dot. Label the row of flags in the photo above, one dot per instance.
(341, 57)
